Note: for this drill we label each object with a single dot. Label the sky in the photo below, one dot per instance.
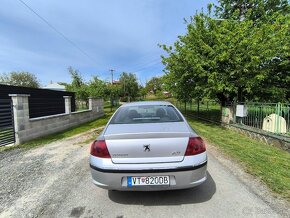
(92, 36)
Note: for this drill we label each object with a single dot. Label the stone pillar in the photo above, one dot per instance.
(96, 104)
(20, 113)
(91, 103)
(67, 104)
(100, 105)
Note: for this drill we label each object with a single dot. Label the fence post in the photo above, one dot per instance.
(67, 104)
(277, 121)
(20, 113)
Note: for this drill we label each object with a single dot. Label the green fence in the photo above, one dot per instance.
(273, 118)
(270, 117)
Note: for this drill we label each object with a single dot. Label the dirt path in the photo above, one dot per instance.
(54, 181)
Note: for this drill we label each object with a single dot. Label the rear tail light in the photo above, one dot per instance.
(99, 149)
(195, 146)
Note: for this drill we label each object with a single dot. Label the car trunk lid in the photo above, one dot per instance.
(147, 143)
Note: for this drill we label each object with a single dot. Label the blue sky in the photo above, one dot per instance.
(118, 34)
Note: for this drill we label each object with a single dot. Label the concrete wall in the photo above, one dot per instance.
(263, 137)
(27, 129)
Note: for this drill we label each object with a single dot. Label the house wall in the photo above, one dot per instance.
(30, 128)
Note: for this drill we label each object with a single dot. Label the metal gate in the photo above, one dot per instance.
(7, 133)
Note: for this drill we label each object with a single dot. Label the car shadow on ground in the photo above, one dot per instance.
(198, 194)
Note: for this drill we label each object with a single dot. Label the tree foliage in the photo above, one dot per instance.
(78, 85)
(154, 85)
(254, 10)
(20, 78)
(142, 91)
(97, 88)
(114, 90)
(231, 59)
(94, 88)
(129, 84)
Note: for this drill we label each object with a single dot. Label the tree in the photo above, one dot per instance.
(113, 91)
(143, 91)
(77, 80)
(20, 78)
(129, 84)
(97, 88)
(270, 14)
(230, 59)
(251, 9)
(78, 85)
(154, 85)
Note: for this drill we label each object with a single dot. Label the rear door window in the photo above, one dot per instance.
(146, 114)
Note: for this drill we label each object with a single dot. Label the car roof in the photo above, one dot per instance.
(138, 103)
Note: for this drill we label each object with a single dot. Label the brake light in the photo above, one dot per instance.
(99, 149)
(195, 146)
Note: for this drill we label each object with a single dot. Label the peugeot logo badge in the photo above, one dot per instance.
(146, 147)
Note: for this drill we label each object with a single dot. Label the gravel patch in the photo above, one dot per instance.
(30, 179)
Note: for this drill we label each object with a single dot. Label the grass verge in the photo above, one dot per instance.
(67, 133)
(270, 164)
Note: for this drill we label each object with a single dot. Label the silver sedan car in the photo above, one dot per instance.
(148, 146)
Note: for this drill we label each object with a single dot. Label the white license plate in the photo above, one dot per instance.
(147, 180)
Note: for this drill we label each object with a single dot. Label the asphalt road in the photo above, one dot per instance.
(54, 181)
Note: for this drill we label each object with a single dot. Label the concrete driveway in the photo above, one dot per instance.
(54, 181)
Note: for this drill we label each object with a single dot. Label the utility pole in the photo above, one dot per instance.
(112, 73)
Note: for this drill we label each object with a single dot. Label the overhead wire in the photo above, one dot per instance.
(57, 31)
(141, 67)
(149, 64)
(147, 67)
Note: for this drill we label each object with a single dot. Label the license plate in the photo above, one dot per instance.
(147, 180)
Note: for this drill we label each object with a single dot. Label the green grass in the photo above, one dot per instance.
(270, 164)
(108, 108)
(68, 133)
(152, 97)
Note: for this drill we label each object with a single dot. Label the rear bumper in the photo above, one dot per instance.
(180, 177)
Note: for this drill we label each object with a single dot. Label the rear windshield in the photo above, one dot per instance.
(146, 114)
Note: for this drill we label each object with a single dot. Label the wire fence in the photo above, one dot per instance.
(82, 105)
(272, 118)
(206, 110)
